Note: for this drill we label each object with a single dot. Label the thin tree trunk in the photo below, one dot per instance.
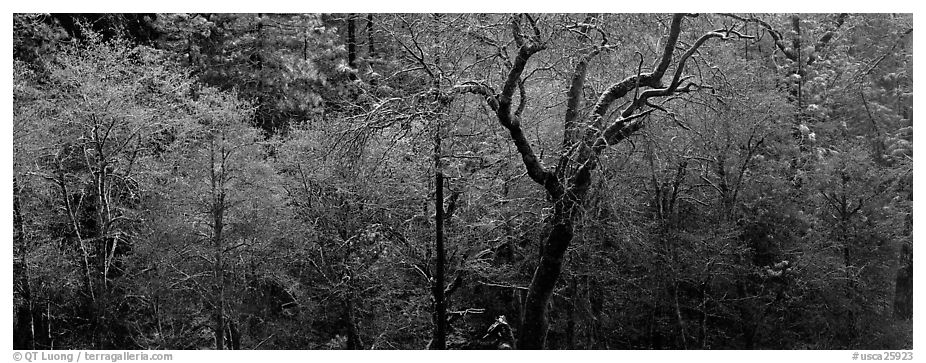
(189, 49)
(843, 237)
(571, 315)
(797, 44)
(679, 319)
(439, 340)
(351, 42)
(104, 215)
(72, 215)
(218, 215)
(220, 310)
(353, 337)
(746, 41)
(233, 336)
(259, 56)
(48, 331)
(903, 288)
(24, 338)
(371, 50)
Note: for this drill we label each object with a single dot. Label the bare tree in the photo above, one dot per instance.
(567, 183)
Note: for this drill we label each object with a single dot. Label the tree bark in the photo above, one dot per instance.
(371, 49)
(233, 336)
(351, 42)
(903, 293)
(533, 331)
(353, 336)
(439, 339)
(903, 285)
(218, 215)
(797, 44)
(24, 336)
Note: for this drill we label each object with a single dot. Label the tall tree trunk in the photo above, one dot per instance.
(797, 44)
(353, 336)
(903, 289)
(258, 56)
(842, 231)
(24, 336)
(439, 339)
(233, 336)
(218, 222)
(75, 224)
(219, 310)
(48, 326)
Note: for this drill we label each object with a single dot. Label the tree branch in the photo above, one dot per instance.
(777, 38)
(674, 30)
(825, 39)
(620, 130)
(575, 95)
(625, 125)
(501, 104)
(652, 79)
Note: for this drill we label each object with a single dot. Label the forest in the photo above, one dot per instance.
(462, 181)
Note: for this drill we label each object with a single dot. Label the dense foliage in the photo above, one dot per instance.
(267, 181)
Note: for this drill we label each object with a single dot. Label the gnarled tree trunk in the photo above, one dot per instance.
(583, 142)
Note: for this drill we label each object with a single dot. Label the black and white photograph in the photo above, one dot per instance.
(587, 181)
